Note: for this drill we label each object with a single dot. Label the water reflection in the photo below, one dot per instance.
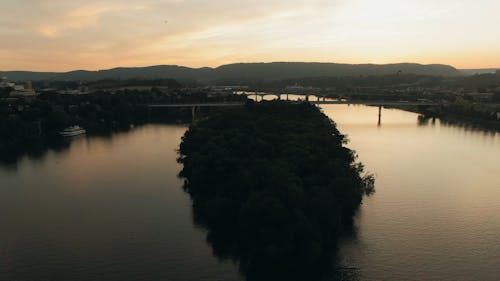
(57, 145)
(109, 208)
(226, 245)
(436, 209)
(9, 159)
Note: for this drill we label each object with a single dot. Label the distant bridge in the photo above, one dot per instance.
(348, 102)
(194, 106)
(322, 99)
(198, 104)
(379, 104)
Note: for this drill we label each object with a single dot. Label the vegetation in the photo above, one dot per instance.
(32, 124)
(104, 84)
(273, 185)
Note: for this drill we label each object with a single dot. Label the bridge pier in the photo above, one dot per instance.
(194, 114)
(379, 116)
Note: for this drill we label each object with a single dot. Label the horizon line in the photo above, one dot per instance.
(215, 67)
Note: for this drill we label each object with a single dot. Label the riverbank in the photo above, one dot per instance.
(449, 115)
(28, 125)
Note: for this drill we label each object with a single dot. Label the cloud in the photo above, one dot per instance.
(86, 15)
(63, 35)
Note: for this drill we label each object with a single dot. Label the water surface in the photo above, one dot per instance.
(436, 211)
(105, 209)
(112, 208)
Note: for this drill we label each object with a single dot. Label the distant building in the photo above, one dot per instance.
(294, 87)
(4, 83)
(82, 90)
(229, 88)
(22, 89)
(26, 85)
(21, 92)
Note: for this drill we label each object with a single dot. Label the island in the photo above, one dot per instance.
(274, 187)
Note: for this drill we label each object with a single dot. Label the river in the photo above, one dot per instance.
(113, 208)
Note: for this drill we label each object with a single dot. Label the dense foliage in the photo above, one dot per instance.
(273, 185)
(31, 124)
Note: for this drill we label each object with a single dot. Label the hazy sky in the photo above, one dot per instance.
(59, 35)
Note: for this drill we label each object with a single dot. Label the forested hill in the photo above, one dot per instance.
(240, 72)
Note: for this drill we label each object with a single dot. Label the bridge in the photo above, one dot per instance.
(198, 104)
(348, 102)
(323, 99)
(194, 106)
(379, 104)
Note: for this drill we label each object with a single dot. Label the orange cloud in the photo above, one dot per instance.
(64, 35)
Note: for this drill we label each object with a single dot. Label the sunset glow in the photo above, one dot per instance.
(57, 35)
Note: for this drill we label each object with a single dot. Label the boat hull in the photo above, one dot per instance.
(73, 133)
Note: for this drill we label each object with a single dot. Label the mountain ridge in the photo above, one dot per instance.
(239, 71)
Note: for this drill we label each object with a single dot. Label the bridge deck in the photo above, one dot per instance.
(360, 102)
(376, 103)
(208, 104)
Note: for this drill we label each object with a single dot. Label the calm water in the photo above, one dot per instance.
(436, 211)
(114, 209)
(105, 209)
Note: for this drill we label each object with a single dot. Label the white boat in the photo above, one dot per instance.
(73, 131)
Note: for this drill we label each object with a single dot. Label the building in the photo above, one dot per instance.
(21, 92)
(22, 89)
(4, 83)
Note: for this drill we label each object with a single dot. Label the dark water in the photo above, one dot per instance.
(105, 209)
(114, 209)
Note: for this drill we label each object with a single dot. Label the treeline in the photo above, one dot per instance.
(113, 83)
(106, 83)
(479, 82)
(349, 82)
(27, 124)
(274, 186)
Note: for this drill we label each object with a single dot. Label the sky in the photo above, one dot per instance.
(63, 35)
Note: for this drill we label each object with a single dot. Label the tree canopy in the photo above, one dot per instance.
(273, 185)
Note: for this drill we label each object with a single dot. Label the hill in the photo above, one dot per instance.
(239, 72)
